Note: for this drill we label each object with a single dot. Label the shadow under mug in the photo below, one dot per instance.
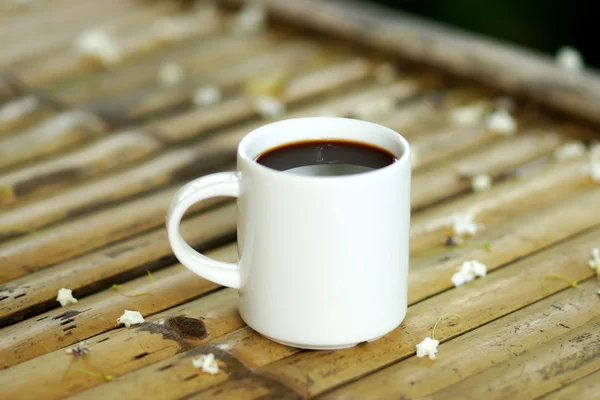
(323, 260)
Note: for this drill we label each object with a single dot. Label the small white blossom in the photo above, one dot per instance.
(207, 96)
(170, 74)
(594, 261)
(385, 73)
(500, 121)
(251, 18)
(130, 318)
(428, 347)
(17, 109)
(569, 59)
(65, 297)
(481, 182)
(206, 363)
(467, 115)
(96, 43)
(569, 151)
(81, 349)
(374, 108)
(468, 271)
(269, 107)
(463, 225)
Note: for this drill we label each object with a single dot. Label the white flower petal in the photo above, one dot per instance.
(206, 363)
(594, 261)
(251, 18)
(170, 74)
(569, 59)
(502, 122)
(207, 96)
(481, 182)
(269, 107)
(569, 151)
(463, 225)
(98, 44)
(428, 347)
(130, 318)
(65, 297)
(467, 115)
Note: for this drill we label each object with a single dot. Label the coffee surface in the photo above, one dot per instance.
(326, 158)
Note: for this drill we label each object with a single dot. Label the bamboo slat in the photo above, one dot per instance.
(312, 372)
(98, 313)
(523, 234)
(91, 154)
(68, 64)
(196, 59)
(496, 64)
(104, 155)
(504, 200)
(534, 373)
(36, 292)
(495, 160)
(584, 388)
(49, 246)
(191, 124)
(18, 113)
(115, 351)
(482, 295)
(61, 132)
(478, 350)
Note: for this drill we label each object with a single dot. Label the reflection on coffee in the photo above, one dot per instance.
(325, 157)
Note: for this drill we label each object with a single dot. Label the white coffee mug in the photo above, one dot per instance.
(323, 260)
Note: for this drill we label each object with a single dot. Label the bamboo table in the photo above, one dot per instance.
(91, 154)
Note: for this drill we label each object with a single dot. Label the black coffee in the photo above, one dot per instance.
(326, 158)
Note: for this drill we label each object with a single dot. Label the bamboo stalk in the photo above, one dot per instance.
(545, 368)
(197, 59)
(39, 38)
(234, 367)
(125, 109)
(29, 295)
(311, 373)
(514, 238)
(496, 160)
(503, 201)
(584, 388)
(65, 130)
(516, 285)
(504, 66)
(190, 124)
(23, 111)
(104, 155)
(75, 237)
(171, 167)
(67, 65)
(120, 351)
(97, 313)
(476, 351)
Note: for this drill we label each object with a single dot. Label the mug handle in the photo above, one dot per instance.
(220, 184)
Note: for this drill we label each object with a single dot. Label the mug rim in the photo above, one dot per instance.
(400, 163)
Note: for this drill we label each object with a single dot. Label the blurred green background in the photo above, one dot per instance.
(544, 25)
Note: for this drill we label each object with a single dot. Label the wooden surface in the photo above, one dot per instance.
(90, 157)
